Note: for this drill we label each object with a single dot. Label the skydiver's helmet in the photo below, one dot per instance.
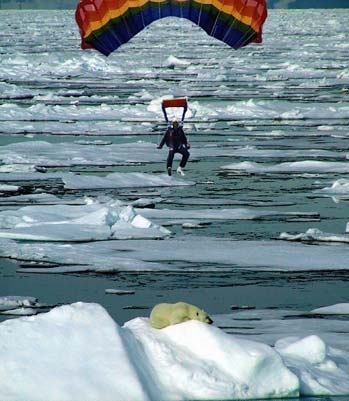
(175, 123)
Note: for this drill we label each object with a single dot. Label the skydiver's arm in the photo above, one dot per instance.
(161, 144)
(184, 138)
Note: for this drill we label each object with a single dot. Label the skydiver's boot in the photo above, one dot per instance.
(169, 171)
(180, 171)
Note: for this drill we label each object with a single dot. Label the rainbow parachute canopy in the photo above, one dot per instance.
(107, 24)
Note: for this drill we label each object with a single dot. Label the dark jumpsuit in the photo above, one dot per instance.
(177, 142)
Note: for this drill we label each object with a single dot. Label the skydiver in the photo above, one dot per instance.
(177, 142)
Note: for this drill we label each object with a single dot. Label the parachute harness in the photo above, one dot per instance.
(178, 103)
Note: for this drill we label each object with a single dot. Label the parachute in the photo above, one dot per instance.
(180, 102)
(107, 24)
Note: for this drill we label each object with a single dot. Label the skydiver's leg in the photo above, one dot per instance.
(170, 157)
(185, 156)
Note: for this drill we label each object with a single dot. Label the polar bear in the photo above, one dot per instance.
(163, 315)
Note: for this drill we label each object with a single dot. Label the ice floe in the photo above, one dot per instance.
(77, 181)
(315, 235)
(299, 167)
(337, 309)
(338, 187)
(174, 254)
(19, 305)
(84, 354)
(175, 216)
(92, 221)
(122, 180)
(59, 154)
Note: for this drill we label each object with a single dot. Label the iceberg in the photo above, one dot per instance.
(73, 352)
(78, 352)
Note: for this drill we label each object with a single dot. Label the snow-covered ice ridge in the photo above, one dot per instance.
(83, 354)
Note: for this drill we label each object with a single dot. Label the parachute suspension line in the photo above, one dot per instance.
(216, 20)
(158, 138)
(142, 17)
(231, 27)
(180, 44)
(199, 19)
(181, 9)
(161, 52)
(181, 28)
(248, 35)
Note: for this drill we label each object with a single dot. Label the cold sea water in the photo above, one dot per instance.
(257, 225)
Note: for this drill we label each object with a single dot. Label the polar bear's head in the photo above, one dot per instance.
(198, 314)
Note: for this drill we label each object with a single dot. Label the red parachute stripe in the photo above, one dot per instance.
(179, 102)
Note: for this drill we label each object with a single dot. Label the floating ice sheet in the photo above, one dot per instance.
(300, 167)
(19, 305)
(173, 254)
(337, 309)
(315, 235)
(338, 187)
(76, 223)
(113, 180)
(47, 154)
(122, 180)
(175, 216)
(271, 325)
(73, 343)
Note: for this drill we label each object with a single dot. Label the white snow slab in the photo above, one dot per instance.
(92, 221)
(76, 181)
(299, 167)
(314, 348)
(14, 301)
(77, 352)
(39, 198)
(71, 353)
(218, 366)
(271, 325)
(337, 309)
(9, 188)
(175, 216)
(122, 180)
(316, 235)
(338, 187)
(76, 154)
(175, 254)
(322, 370)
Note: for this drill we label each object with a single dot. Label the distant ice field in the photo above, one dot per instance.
(256, 231)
